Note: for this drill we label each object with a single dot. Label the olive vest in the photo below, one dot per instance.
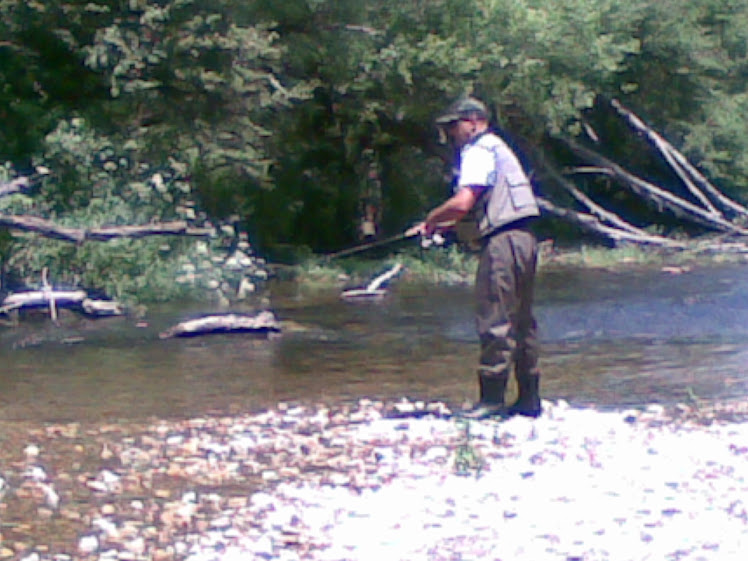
(509, 195)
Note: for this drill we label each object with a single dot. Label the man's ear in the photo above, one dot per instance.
(443, 139)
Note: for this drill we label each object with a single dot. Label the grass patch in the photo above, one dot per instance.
(444, 266)
(627, 256)
(603, 257)
(452, 266)
(468, 459)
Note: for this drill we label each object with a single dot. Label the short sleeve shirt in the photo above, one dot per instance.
(477, 166)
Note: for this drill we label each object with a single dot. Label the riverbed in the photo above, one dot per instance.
(314, 445)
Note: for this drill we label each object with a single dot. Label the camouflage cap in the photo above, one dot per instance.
(463, 107)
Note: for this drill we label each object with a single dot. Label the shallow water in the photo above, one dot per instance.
(609, 340)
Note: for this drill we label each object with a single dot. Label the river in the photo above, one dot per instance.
(610, 340)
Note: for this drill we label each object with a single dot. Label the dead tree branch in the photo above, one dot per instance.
(601, 213)
(593, 224)
(77, 235)
(689, 174)
(177, 228)
(664, 149)
(657, 195)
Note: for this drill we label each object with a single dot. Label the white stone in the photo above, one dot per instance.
(88, 545)
(31, 451)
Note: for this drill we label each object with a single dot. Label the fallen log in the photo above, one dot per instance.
(264, 322)
(105, 233)
(43, 298)
(55, 299)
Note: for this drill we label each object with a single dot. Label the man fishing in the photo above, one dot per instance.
(493, 186)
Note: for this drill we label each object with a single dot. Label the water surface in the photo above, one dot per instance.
(609, 340)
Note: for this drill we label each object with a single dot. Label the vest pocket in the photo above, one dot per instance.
(520, 190)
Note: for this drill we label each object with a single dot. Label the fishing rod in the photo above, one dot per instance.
(387, 241)
(367, 246)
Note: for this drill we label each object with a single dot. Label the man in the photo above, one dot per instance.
(492, 184)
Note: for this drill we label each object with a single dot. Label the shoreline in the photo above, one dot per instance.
(352, 483)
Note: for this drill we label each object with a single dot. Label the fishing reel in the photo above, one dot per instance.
(434, 240)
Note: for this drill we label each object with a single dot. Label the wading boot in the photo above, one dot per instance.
(491, 404)
(528, 403)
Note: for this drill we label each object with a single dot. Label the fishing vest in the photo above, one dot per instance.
(509, 195)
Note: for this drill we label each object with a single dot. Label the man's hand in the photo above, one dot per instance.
(419, 229)
(427, 230)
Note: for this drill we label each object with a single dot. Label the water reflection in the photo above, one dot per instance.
(610, 339)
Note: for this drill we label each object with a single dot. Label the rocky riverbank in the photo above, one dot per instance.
(354, 483)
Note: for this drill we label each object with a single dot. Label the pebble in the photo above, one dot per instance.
(354, 484)
(88, 545)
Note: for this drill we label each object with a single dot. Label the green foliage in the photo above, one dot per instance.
(447, 266)
(546, 61)
(539, 64)
(103, 182)
(176, 123)
(40, 72)
(285, 117)
(468, 459)
(194, 80)
(688, 81)
(443, 266)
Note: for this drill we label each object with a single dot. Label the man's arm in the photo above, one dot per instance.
(449, 212)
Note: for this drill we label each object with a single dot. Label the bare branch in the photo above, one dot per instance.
(592, 223)
(661, 145)
(662, 198)
(77, 235)
(177, 228)
(597, 210)
(363, 29)
(680, 164)
(590, 169)
(277, 85)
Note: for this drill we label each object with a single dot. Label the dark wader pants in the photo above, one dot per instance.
(504, 287)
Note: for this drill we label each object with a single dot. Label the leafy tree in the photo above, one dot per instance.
(184, 83)
(542, 65)
(290, 115)
(41, 73)
(193, 79)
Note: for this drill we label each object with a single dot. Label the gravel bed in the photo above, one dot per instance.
(353, 483)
